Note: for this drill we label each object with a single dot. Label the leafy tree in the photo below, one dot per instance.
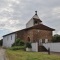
(56, 38)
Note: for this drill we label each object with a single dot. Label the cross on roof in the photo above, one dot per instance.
(35, 12)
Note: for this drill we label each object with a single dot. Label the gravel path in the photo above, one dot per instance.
(2, 54)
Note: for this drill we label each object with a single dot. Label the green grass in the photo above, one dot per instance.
(23, 55)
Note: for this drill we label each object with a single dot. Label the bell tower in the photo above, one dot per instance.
(35, 20)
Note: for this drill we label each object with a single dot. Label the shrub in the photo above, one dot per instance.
(28, 45)
(22, 43)
(17, 48)
(18, 42)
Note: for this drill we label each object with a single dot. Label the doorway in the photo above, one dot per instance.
(28, 39)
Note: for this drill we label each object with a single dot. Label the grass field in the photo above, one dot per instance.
(23, 55)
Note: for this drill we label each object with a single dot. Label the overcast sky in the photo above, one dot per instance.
(14, 14)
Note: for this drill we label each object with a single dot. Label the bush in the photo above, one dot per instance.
(22, 43)
(28, 45)
(17, 48)
(18, 42)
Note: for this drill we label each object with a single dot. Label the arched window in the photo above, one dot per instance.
(28, 39)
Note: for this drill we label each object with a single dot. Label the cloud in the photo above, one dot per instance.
(14, 14)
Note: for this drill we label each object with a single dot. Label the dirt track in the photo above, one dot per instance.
(2, 54)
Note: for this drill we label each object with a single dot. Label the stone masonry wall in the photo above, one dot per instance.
(42, 34)
(34, 35)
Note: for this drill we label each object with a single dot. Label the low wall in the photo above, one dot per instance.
(35, 47)
(54, 47)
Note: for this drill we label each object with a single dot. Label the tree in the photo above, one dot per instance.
(56, 38)
(1, 42)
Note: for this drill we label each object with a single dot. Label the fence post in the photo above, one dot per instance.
(49, 51)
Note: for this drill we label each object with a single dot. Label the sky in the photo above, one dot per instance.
(14, 14)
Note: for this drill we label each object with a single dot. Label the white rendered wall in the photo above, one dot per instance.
(7, 41)
(35, 47)
(54, 47)
(30, 23)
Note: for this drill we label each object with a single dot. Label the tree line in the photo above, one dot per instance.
(56, 38)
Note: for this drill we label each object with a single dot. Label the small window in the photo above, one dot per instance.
(11, 37)
(35, 22)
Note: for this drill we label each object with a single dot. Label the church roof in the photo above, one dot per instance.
(41, 27)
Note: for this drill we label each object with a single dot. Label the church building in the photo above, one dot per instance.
(35, 31)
